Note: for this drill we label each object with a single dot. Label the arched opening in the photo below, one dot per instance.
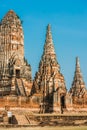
(17, 73)
(62, 103)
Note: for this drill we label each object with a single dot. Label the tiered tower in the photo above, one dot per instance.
(12, 62)
(12, 38)
(78, 88)
(48, 80)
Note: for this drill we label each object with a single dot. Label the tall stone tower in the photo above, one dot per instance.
(48, 81)
(13, 65)
(12, 38)
(78, 86)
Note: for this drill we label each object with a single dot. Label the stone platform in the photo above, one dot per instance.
(25, 118)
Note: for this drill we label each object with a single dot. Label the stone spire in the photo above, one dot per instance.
(49, 47)
(78, 86)
(49, 56)
(12, 40)
(48, 76)
(78, 66)
(12, 63)
(48, 83)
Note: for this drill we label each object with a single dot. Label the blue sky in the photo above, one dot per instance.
(68, 19)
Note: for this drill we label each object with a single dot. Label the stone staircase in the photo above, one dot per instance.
(22, 120)
(20, 87)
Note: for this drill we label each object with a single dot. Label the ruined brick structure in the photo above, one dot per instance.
(78, 88)
(14, 69)
(47, 92)
(49, 84)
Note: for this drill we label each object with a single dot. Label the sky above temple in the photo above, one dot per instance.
(68, 19)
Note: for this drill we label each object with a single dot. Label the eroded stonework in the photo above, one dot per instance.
(14, 69)
(49, 83)
(78, 88)
(47, 92)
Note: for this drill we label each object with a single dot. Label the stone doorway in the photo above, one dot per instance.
(17, 73)
(62, 103)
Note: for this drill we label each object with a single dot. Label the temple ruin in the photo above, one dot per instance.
(48, 91)
(78, 88)
(49, 84)
(15, 72)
